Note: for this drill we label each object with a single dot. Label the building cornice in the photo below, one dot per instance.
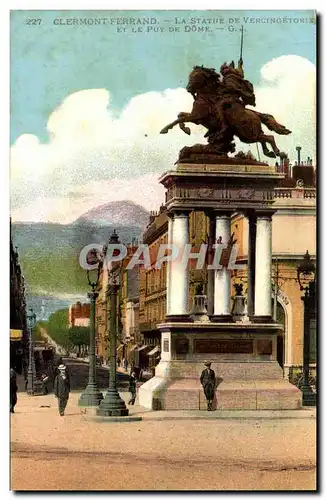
(279, 256)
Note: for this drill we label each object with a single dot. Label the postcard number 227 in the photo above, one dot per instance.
(33, 21)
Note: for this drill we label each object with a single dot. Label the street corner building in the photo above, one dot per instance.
(18, 318)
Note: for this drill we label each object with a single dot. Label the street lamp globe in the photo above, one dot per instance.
(306, 271)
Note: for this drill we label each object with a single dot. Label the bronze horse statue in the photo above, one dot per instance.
(220, 106)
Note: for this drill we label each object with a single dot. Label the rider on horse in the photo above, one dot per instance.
(220, 106)
(234, 88)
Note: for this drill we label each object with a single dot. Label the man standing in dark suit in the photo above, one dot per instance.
(13, 390)
(62, 387)
(208, 381)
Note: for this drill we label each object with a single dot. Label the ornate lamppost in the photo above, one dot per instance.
(306, 275)
(113, 405)
(92, 396)
(34, 386)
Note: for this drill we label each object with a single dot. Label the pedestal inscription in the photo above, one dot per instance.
(182, 345)
(207, 346)
(264, 346)
(166, 345)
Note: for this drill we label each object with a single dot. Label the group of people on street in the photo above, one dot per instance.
(61, 386)
(124, 363)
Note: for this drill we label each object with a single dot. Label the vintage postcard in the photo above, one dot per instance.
(163, 250)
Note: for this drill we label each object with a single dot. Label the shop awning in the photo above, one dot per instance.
(16, 334)
(154, 351)
(134, 348)
(143, 347)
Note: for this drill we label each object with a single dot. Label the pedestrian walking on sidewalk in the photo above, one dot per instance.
(45, 379)
(13, 390)
(132, 388)
(62, 387)
(208, 381)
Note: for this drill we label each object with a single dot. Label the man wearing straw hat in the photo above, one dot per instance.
(62, 387)
(208, 381)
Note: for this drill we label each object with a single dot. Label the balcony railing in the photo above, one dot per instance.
(283, 193)
(295, 192)
(309, 193)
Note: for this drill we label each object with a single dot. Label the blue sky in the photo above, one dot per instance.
(88, 101)
(49, 62)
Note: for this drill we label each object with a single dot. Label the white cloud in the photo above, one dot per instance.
(93, 156)
(144, 190)
(288, 91)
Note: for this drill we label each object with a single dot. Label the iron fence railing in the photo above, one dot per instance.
(296, 376)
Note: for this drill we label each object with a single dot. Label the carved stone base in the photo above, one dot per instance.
(245, 386)
(224, 318)
(262, 319)
(177, 318)
(204, 153)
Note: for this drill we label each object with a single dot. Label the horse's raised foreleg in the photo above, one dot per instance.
(270, 139)
(266, 151)
(182, 118)
(185, 129)
(169, 126)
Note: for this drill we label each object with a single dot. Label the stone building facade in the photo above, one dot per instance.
(79, 314)
(127, 311)
(18, 318)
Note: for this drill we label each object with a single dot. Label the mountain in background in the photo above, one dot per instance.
(124, 213)
(49, 253)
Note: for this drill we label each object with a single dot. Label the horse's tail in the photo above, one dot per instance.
(272, 124)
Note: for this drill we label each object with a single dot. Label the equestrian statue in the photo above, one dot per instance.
(220, 106)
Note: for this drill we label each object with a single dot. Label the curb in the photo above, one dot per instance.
(228, 418)
(109, 420)
(235, 415)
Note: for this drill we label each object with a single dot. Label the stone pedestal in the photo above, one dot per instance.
(242, 349)
(243, 357)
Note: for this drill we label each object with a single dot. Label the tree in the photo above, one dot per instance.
(79, 335)
(37, 331)
(58, 328)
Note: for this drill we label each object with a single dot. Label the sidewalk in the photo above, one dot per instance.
(28, 404)
(166, 450)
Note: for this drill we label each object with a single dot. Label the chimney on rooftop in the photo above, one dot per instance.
(298, 148)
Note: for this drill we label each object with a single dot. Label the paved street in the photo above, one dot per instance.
(160, 452)
(78, 370)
